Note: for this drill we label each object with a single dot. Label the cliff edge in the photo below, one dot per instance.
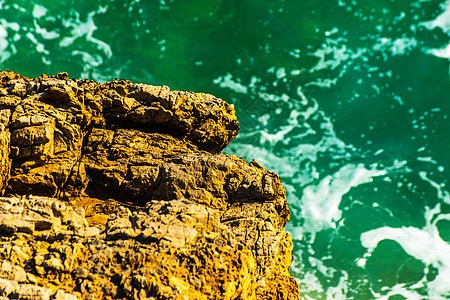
(118, 191)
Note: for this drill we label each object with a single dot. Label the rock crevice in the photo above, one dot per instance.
(119, 191)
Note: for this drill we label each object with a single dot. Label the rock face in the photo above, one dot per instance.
(119, 191)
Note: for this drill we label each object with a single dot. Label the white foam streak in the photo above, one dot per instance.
(39, 11)
(442, 20)
(311, 287)
(442, 52)
(441, 194)
(321, 202)
(227, 81)
(48, 35)
(400, 289)
(397, 46)
(422, 244)
(87, 29)
(39, 46)
(91, 60)
(284, 133)
(4, 55)
(4, 44)
(340, 55)
(340, 291)
(416, 242)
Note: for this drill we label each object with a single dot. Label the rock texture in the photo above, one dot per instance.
(119, 191)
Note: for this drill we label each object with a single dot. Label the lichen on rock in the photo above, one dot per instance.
(119, 191)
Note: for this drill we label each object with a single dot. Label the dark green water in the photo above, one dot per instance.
(347, 100)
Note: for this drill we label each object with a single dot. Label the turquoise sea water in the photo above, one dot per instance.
(348, 101)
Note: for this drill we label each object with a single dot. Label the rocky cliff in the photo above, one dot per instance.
(119, 191)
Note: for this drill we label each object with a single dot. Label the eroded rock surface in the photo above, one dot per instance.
(119, 191)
